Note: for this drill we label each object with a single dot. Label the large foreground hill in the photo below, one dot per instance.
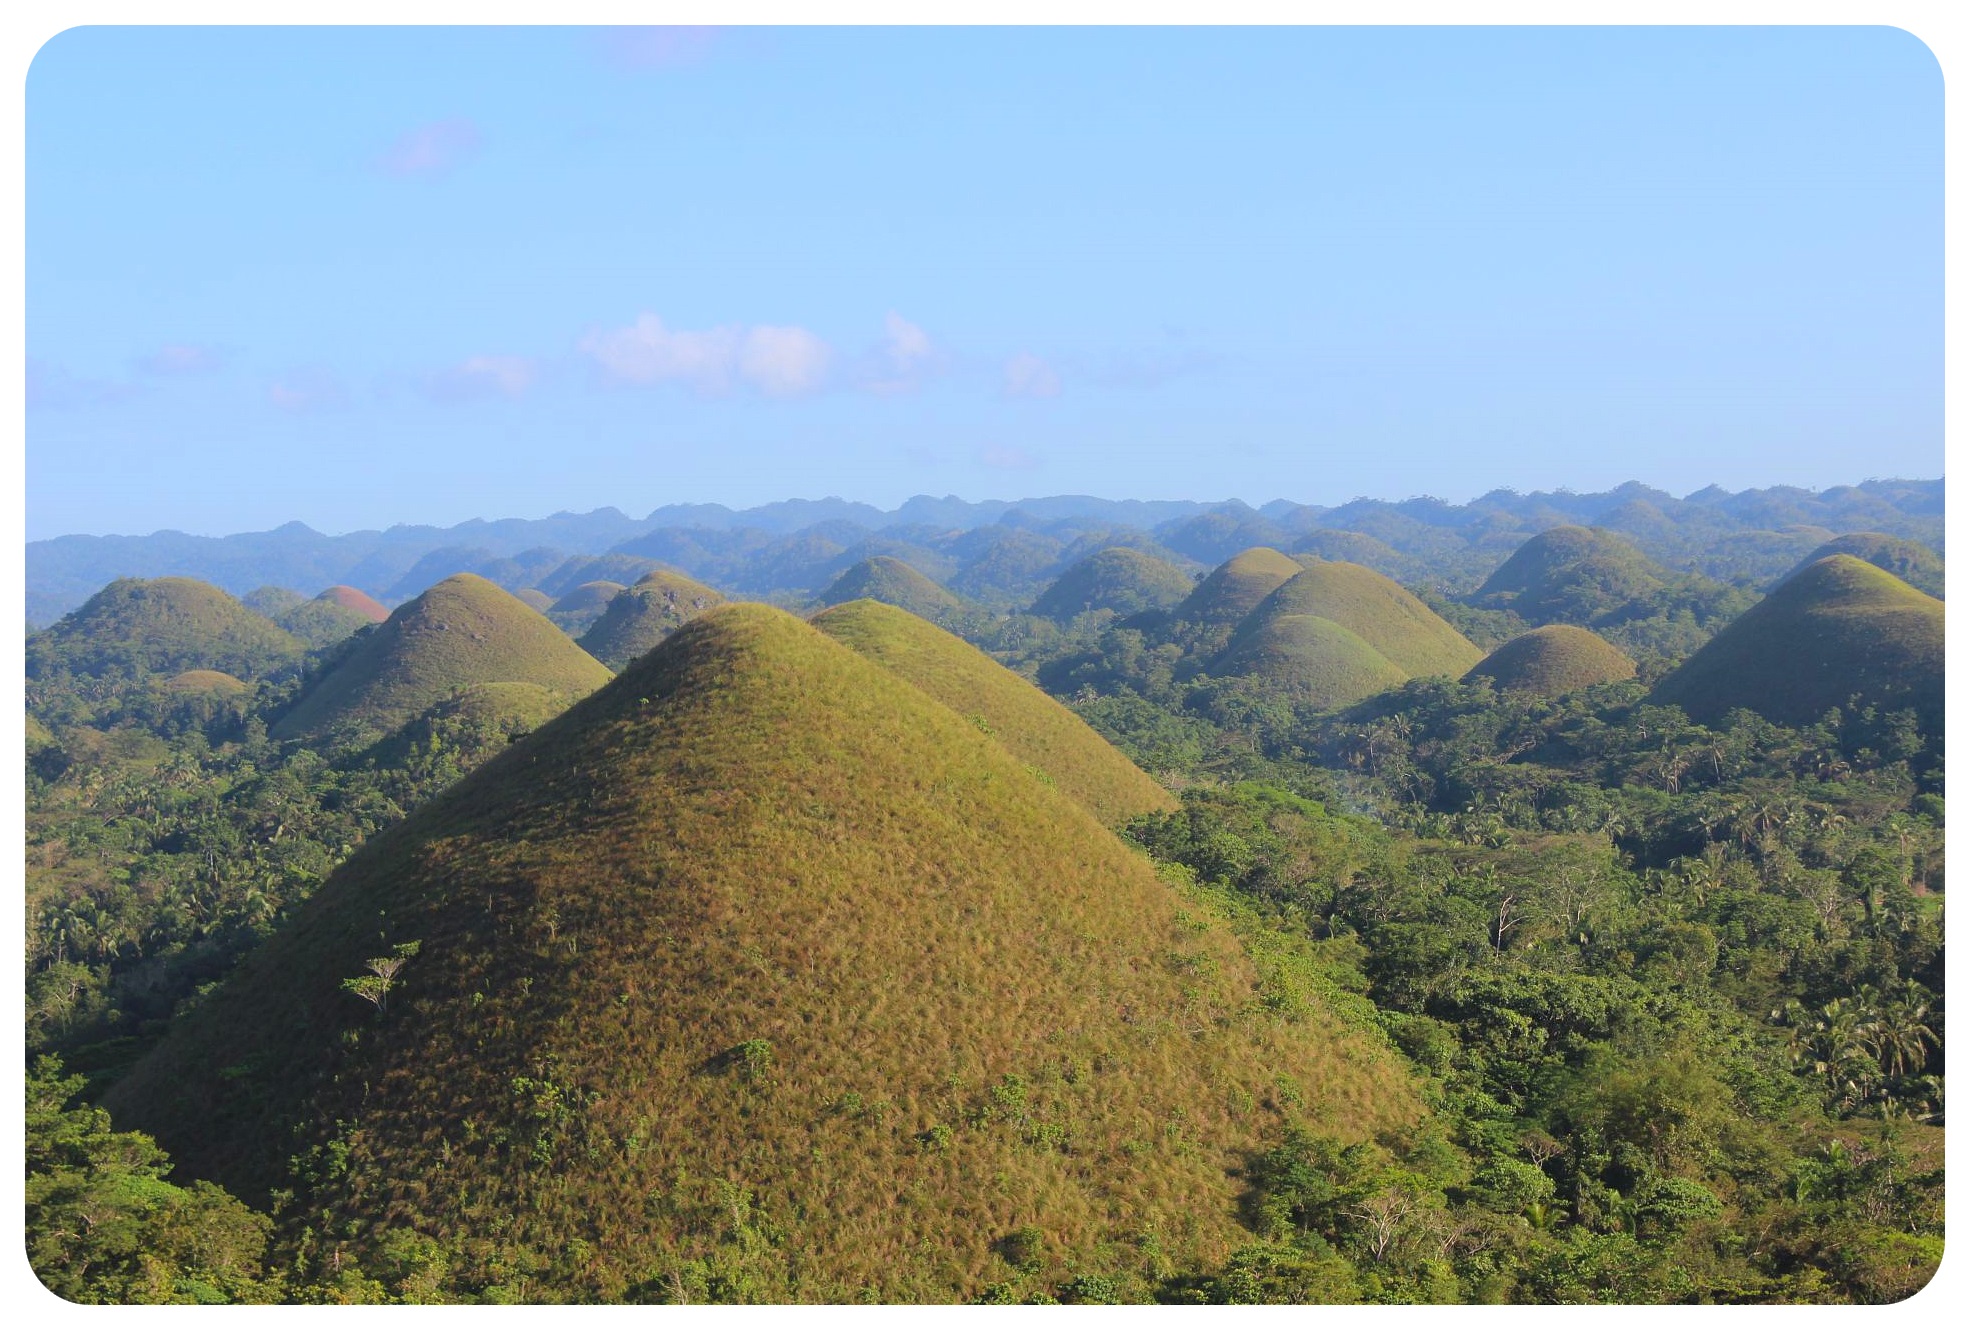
(763, 973)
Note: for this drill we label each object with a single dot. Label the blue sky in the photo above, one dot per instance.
(364, 276)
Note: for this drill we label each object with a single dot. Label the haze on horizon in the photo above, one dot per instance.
(357, 277)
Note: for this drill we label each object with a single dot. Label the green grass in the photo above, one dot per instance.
(1551, 661)
(1119, 579)
(576, 612)
(1837, 628)
(1917, 565)
(206, 681)
(1571, 573)
(1235, 587)
(894, 582)
(642, 616)
(1308, 659)
(759, 963)
(134, 628)
(1032, 726)
(1378, 611)
(461, 632)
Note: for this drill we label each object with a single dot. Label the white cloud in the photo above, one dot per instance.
(907, 346)
(784, 362)
(308, 390)
(1026, 375)
(434, 149)
(482, 376)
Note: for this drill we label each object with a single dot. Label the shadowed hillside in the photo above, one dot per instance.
(1573, 574)
(1837, 628)
(1034, 727)
(1378, 611)
(760, 970)
(643, 615)
(1308, 659)
(894, 582)
(133, 628)
(576, 612)
(1235, 587)
(462, 631)
(1118, 579)
(1553, 660)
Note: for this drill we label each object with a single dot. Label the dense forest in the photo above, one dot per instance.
(1666, 977)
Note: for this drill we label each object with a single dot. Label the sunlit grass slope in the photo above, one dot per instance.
(645, 614)
(763, 971)
(894, 582)
(576, 612)
(134, 627)
(349, 598)
(1376, 610)
(1569, 572)
(1034, 727)
(1837, 628)
(1917, 565)
(1123, 580)
(206, 681)
(462, 631)
(1553, 660)
(1235, 587)
(1308, 659)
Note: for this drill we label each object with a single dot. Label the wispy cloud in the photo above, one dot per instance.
(479, 377)
(433, 150)
(181, 358)
(1026, 375)
(52, 387)
(308, 391)
(904, 358)
(1005, 457)
(779, 361)
(657, 46)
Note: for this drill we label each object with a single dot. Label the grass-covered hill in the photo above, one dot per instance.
(133, 629)
(760, 974)
(534, 599)
(206, 682)
(1570, 574)
(1354, 547)
(461, 632)
(1032, 726)
(623, 568)
(349, 598)
(1553, 661)
(1234, 588)
(1308, 659)
(1917, 565)
(894, 582)
(643, 615)
(1378, 611)
(469, 724)
(1118, 579)
(322, 621)
(1837, 628)
(576, 612)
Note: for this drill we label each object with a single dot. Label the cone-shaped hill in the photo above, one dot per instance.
(1917, 565)
(1378, 611)
(462, 631)
(1123, 580)
(361, 602)
(1308, 659)
(894, 582)
(323, 621)
(758, 957)
(1574, 574)
(576, 612)
(134, 628)
(1035, 728)
(638, 618)
(215, 683)
(1553, 660)
(1835, 629)
(534, 599)
(1235, 587)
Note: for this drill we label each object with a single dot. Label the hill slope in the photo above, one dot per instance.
(1553, 660)
(894, 582)
(759, 974)
(1123, 580)
(462, 631)
(1235, 587)
(1378, 611)
(1836, 628)
(576, 612)
(1034, 727)
(1574, 574)
(133, 628)
(349, 598)
(1917, 565)
(1308, 659)
(638, 618)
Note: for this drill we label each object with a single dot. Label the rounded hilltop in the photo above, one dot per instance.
(641, 616)
(1405, 631)
(1570, 573)
(136, 627)
(1308, 659)
(761, 928)
(1234, 588)
(1118, 579)
(894, 582)
(1551, 661)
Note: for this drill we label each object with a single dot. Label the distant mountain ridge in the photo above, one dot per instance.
(798, 546)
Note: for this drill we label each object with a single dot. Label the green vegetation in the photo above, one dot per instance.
(672, 1033)
(1031, 725)
(1378, 611)
(1118, 580)
(643, 615)
(206, 681)
(1234, 588)
(1837, 630)
(894, 582)
(1917, 565)
(578, 610)
(461, 632)
(1308, 659)
(1556, 659)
